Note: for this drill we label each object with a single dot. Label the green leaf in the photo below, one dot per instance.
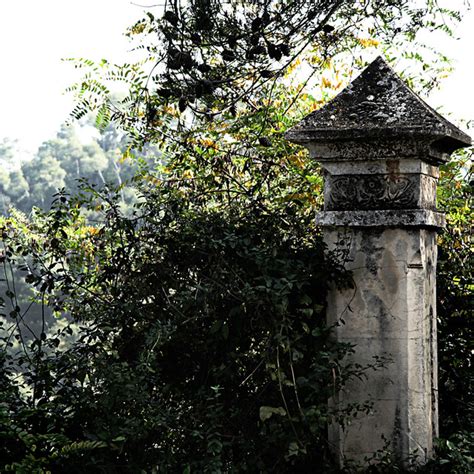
(267, 412)
(216, 325)
(305, 299)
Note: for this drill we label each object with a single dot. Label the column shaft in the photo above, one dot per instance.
(389, 315)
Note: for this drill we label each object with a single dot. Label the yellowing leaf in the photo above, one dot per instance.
(188, 174)
(368, 42)
(297, 161)
(326, 82)
(207, 143)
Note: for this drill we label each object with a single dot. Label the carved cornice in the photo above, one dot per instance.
(386, 218)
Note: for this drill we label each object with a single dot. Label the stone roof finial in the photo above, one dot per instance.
(379, 105)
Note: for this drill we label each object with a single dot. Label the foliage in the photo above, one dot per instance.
(192, 332)
(201, 332)
(63, 161)
(204, 58)
(454, 455)
(455, 300)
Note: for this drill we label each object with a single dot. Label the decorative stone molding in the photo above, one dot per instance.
(376, 191)
(382, 218)
(380, 147)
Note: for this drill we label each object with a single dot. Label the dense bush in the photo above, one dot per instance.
(201, 345)
(455, 308)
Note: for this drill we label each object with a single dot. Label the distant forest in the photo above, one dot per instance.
(61, 162)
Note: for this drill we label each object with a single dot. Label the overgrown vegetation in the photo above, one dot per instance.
(201, 333)
(190, 330)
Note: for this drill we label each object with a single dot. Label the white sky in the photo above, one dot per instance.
(456, 93)
(34, 37)
(36, 34)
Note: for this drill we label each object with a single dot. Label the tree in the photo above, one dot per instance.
(218, 118)
(45, 176)
(62, 162)
(209, 57)
(13, 186)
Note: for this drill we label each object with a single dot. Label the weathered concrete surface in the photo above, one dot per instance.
(380, 147)
(390, 315)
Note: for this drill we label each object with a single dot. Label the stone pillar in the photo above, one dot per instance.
(380, 147)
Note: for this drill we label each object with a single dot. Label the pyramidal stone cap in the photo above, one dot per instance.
(378, 105)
